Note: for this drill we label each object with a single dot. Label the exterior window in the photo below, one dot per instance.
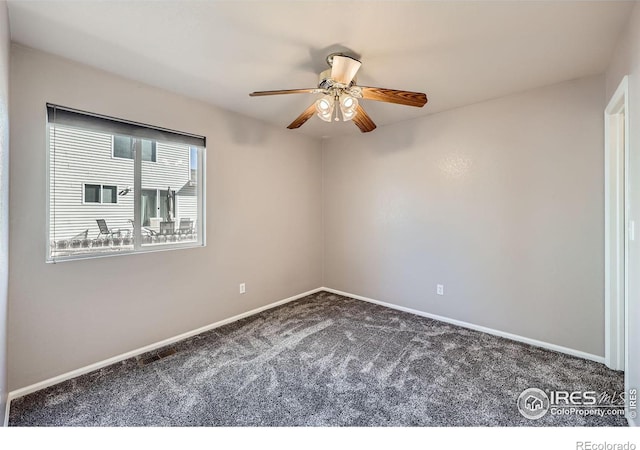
(109, 194)
(123, 147)
(92, 193)
(147, 176)
(193, 164)
(96, 193)
(148, 150)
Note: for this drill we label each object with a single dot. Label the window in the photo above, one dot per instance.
(193, 163)
(123, 147)
(96, 193)
(145, 174)
(109, 194)
(92, 193)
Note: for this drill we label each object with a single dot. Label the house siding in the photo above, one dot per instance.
(80, 156)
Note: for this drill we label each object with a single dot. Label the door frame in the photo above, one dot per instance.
(155, 212)
(616, 182)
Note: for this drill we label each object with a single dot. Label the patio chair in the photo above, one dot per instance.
(186, 226)
(104, 229)
(167, 228)
(145, 230)
(82, 235)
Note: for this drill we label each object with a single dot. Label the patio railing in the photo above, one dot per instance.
(67, 247)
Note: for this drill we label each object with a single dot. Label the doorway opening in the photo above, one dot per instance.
(616, 202)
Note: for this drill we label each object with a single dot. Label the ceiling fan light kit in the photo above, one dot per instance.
(324, 107)
(348, 107)
(338, 88)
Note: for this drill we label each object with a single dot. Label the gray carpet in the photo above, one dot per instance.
(322, 360)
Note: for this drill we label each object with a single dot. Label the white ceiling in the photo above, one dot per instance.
(457, 52)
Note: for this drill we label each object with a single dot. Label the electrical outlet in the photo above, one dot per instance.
(440, 289)
(243, 288)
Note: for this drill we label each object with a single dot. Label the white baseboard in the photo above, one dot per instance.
(98, 365)
(513, 337)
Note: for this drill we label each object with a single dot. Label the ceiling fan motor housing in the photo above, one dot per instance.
(326, 82)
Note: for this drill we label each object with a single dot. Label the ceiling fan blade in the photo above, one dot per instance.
(363, 121)
(285, 91)
(344, 69)
(417, 99)
(302, 118)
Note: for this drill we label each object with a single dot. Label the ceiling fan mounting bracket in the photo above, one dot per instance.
(329, 58)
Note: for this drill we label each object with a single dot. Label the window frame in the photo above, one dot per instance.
(138, 247)
(101, 202)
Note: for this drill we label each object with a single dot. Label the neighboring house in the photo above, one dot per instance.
(94, 173)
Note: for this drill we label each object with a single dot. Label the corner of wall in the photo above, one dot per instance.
(323, 142)
(5, 43)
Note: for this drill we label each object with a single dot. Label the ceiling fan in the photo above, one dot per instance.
(340, 94)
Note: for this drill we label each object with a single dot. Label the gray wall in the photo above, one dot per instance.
(501, 201)
(626, 61)
(4, 199)
(263, 227)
